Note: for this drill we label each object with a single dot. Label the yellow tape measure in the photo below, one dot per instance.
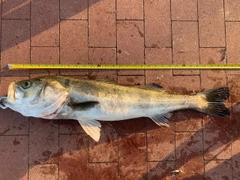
(126, 66)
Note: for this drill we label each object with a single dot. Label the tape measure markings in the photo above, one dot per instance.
(125, 66)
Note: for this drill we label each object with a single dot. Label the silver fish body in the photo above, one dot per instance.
(57, 97)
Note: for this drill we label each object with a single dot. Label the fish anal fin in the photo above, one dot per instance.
(161, 119)
(92, 128)
(83, 105)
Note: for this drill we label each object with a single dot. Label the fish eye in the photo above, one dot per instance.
(26, 84)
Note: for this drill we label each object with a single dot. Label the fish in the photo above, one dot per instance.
(91, 101)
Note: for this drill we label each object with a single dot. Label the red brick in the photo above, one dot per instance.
(235, 112)
(216, 138)
(12, 9)
(161, 170)
(211, 23)
(5, 82)
(15, 44)
(178, 85)
(132, 156)
(212, 78)
(137, 125)
(236, 156)
(185, 45)
(47, 171)
(130, 9)
(45, 23)
(232, 10)
(72, 9)
(107, 145)
(130, 45)
(43, 141)
(102, 23)
(73, 44)
(187, 120)
(1, 33)
(157, 23)
(13, 123)
(161, 145)
(233, 46)
(234, 84)
(102, 56)
(14, 157)
(70, 127)
(218, 169)
(184, 9)
(44, 55)
(158, 56)
(131, 80)
(189, 155)
(73, 157)
(103, 171)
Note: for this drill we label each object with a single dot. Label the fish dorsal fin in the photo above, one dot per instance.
(109, 81)
(92, 128)
(160, 119)
(152, 86)
(83, 105)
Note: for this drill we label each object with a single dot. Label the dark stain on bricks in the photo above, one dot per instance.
(56, 155)
(225, 178)
(4, 132)
(119, 51)
(92, 76)
(154, 46)
(139, 31)
(15, 142)
(47, 153)
(36, 162)
(181, 52)
(236, 163)
(179, 90)
(223, 54)
(192, 142)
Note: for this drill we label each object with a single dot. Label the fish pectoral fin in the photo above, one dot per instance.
(92, 128)
(160, 119)
(83, 105)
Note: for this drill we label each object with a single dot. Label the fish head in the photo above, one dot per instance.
(24, 91)
(38, 97)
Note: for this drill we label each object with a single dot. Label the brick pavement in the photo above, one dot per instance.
(121, 31)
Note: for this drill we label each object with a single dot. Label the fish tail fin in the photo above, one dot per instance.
(215, 101)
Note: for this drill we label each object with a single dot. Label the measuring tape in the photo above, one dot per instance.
(126, 66)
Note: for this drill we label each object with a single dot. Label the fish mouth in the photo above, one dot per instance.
(2, 105)
(11, 91)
